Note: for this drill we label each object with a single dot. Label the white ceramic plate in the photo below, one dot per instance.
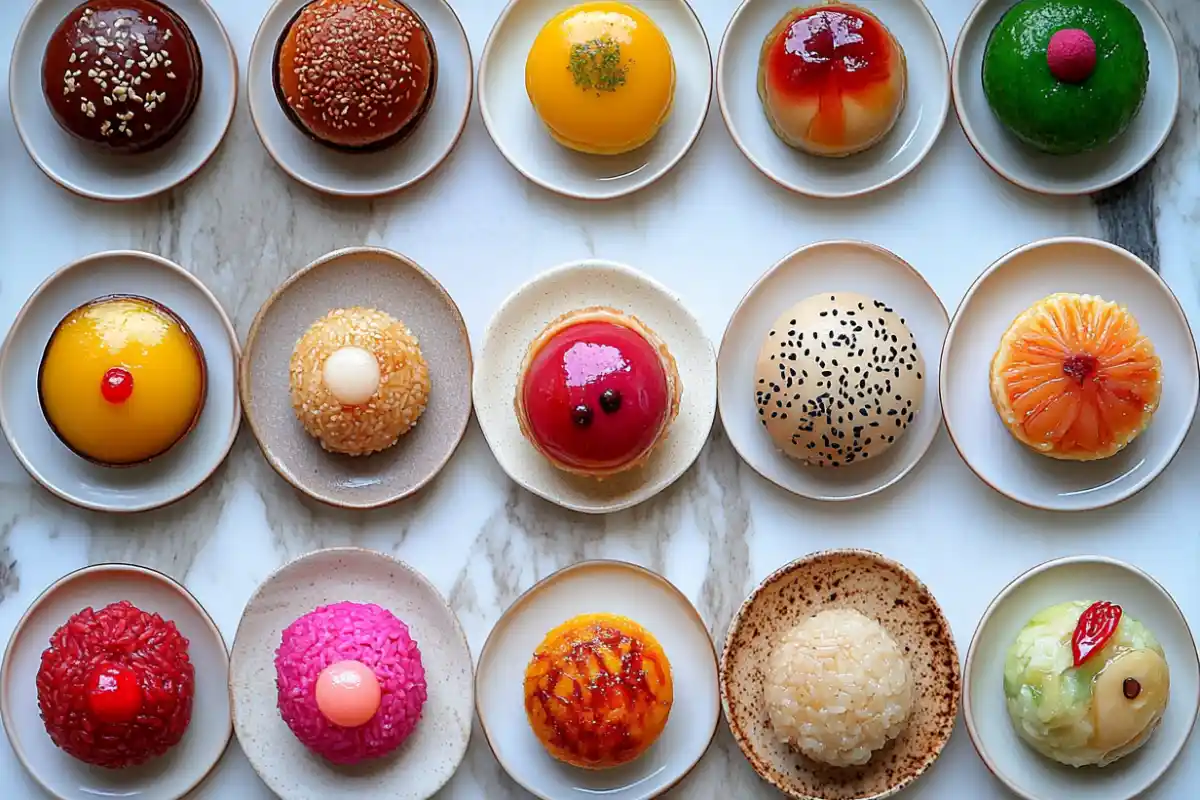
(365, 174)
(522, 139)
(836, 266)
(167, 478)
(1024, 770)
(1004, 291)
(916, 131)
(429, 757)
(526, 313)
(1065, 175)
(83, 170)
(591, 587)
(180, 769)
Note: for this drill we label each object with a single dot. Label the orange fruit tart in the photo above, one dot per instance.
(122, 380)
(1075, 378)
(598, 691)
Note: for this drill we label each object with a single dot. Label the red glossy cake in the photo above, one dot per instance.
(122, 74)
(115, 686)
(598, 391)
(832, 79)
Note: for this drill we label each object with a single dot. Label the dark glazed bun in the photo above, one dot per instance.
(356, 75)
(123, 74)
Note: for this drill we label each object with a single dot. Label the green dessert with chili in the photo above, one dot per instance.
(1085, 683)
(1066, 76)
(601, 77)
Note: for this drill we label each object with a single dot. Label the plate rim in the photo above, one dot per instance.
(350, 550)
(245, 373)
(759, 283)
(485, 113)
(629, 272)
(1004, 593)
(236, 351)
(257, 43)
(116, 567)
(1175, 305)
(782, 572)
(559, 574)
(727, 116)
(87, 194)
(956, 69)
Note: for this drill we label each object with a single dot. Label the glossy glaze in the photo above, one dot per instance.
(596, 395)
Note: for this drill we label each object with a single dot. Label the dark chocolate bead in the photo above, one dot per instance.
(582, 415)
(610, 401)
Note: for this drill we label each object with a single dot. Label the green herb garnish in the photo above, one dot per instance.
(596, 65)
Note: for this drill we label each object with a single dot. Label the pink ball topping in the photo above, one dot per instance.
(1071, 55)
(348, 693)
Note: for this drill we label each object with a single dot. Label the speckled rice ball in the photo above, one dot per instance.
(395, 406)
(838, 688)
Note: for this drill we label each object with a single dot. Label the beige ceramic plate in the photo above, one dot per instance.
(882, 590)
(1011, 285)
(526, 313)
(178, 771)
(390, 282)
(1023, 770)
(1065, 175)
(152, 484)
(365, 174)
(835, 266)
(78, 167)
(590, 587)
(430, 756)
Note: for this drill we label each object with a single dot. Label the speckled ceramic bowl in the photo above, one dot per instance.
(882, 590)
(392, 283)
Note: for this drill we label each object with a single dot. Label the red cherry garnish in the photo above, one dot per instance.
(113, 694)
(117, 385)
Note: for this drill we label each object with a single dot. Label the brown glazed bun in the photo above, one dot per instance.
(122, 74)
(356, 75)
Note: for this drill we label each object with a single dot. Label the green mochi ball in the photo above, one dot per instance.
(1052, 115)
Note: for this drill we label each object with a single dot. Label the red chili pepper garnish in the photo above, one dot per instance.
(1096, 626)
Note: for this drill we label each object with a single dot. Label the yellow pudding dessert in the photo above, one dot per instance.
(601, 77)
(598, 691)
(122, 380)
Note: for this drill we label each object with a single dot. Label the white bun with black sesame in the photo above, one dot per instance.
(839, 379)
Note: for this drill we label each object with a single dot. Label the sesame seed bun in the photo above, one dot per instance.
(356, 75)
(122, 74)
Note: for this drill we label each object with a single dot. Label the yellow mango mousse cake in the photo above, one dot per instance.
(602, 78)
(122, 380)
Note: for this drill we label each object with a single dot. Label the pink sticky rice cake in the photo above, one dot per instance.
(328, 638)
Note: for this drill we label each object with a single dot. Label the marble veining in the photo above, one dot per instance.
(707, 230)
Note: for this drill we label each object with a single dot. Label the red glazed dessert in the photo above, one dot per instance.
(115, 686)
(598, 391)
(832, 79)
(122, 74)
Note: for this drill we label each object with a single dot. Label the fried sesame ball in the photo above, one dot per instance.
(389, 412)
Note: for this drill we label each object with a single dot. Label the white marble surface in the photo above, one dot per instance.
(708, 230)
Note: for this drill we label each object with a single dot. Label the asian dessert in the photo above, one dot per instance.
(832, 79)
(115, 687)
(839, 379)
(601, 77)
(356, 75)
(1066, 76)
(598, 691)
(359, 381)
(1075, 378)
(124, 75)
(350, 680)
(598, 391)
(122, 380)
(837, 688)
(1085, 683)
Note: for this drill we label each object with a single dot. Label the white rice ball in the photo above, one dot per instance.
(838, 688)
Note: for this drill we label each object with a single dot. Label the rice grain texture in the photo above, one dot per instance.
(838, 688)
